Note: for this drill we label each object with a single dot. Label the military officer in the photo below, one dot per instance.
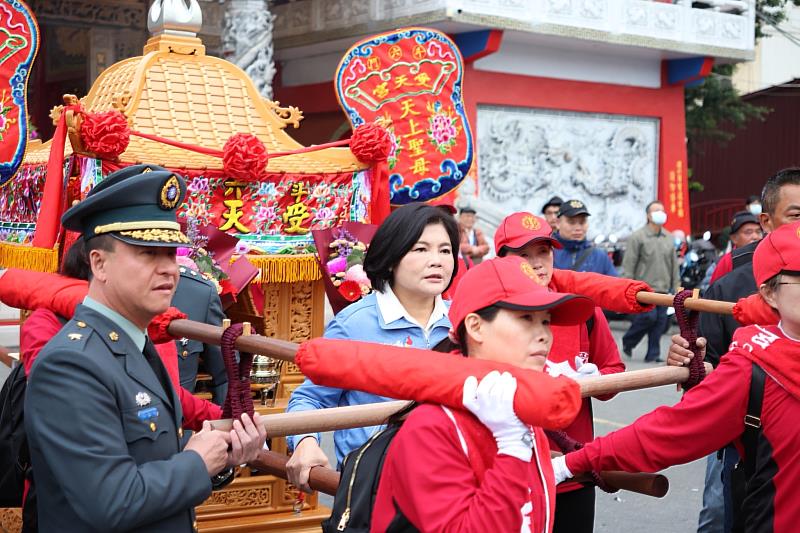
(198, 298)
(102, 419)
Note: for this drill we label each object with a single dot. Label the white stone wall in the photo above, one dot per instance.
(526, 155)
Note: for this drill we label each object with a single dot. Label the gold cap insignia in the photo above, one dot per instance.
(527, 269)
(530, 222)
(74, 336)
(170, 194)
(80, 324)
(575, 204)
(114, 336)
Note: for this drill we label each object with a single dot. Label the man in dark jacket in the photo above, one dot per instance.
(578, 253)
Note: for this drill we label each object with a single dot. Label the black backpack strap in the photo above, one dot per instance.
(752, 420)
(582, 258)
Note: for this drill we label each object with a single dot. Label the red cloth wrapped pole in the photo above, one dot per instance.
(433, 377)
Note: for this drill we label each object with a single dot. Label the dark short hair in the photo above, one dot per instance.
(752, 198)
(771, 193)
(467, 210)
(76, 261)
(398, 233)
(651, 204)
(488, 313)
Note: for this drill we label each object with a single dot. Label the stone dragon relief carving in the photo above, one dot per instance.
(525, 156)
(247, 41)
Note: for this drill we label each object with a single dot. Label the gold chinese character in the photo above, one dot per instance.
(297, 190)
(381, 91)
(400, 81)
(422, 79)
(294, 216)
(395, 52)
(408, 107)
(374, 63)
(420, 166)
(415, 147)
(232, 216)
(232, 186)
(419, 52)
(412, 124)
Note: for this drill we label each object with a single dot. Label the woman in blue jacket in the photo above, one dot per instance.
(410, 263)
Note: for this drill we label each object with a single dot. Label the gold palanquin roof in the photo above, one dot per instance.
(176, 92)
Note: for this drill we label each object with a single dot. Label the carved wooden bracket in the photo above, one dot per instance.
(286, 115)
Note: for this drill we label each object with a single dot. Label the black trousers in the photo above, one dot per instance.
(575, 511)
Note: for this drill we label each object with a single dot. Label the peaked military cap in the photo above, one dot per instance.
(135, 205)
(573, 208)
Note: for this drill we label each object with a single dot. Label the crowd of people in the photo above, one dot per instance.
(105, 412)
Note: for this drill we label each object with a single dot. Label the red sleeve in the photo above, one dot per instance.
(195, 410)
(604, 350)
(434, 485)
(35, 332)
(608, 292)
(26, 289)
(677, 434)
(724, 266)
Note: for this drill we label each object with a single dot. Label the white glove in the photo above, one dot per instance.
(560, 469)
(493, 403)
(560, 369)
(585, 369)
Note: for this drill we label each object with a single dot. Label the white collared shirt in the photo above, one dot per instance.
(391, 309)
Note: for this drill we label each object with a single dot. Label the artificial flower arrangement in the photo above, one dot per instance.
(341, 253)
(211, 254)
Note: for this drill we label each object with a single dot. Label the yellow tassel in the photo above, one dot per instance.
(28, 257)
(286, 268)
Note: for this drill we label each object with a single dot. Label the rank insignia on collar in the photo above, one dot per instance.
(74, 336)
(142, 399)
(114, 336)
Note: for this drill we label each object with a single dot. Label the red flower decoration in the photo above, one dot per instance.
(371, 143)
(105, 134)
(351, 290)
(228, 288)
(245, 157)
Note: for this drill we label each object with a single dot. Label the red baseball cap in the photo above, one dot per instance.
(518, 229)
(779, 251)
(510, 282)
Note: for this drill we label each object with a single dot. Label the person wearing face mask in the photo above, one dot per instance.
(650, 256)
(578, 252)
(410, 263)
(753, 204)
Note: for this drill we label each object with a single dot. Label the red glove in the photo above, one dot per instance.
(157, 330)
(433, 377)
(608, 292)
(754, 310)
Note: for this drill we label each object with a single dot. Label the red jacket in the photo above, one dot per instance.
(601, 349)
(712, 414)
(437, 486)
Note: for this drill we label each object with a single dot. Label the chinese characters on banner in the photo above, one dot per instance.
(411, 80)
(17, 51)
(676, 191)
(280, 212)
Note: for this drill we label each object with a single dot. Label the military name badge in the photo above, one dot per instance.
(147, 414)
(142, 399)
(170, 193)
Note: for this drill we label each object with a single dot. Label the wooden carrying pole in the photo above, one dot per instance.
(327, 480)
(693, 304)
(319, 420)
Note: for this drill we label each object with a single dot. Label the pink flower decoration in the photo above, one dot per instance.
(337, 265)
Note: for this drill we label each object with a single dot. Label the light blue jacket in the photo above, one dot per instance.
(362, 321)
